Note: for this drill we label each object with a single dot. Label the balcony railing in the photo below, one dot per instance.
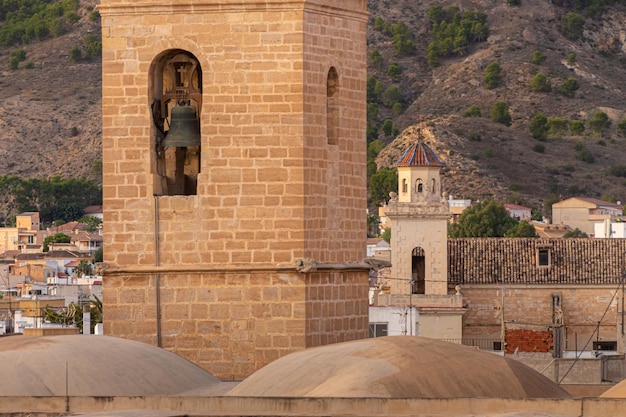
(494, 345)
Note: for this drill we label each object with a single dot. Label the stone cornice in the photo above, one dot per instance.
(357, 11)
(231, 268)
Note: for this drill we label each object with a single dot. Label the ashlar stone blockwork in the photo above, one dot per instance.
(262, 253)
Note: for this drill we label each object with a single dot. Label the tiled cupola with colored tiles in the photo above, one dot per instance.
(234, 177)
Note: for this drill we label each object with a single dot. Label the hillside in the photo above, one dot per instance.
(50, 114)
(503, 163)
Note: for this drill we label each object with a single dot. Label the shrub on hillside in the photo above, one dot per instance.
(492, 75)
(569, 87)
(537, 57)
(540, 83)
(472, 111)
(500, 113)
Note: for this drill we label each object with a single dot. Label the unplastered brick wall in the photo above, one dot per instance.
(585, 310)
(528, 341)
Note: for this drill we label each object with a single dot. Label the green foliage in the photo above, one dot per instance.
(540, 83)
(83, 268)
(76, 54)
(492, 75)
(522, 229)
(558, 126)
(92, 223)
(391, 96)
(94, 15)
(485, 219)
(572, 25)
(575, 233)
(585, 155)
(500, 113)
(401, 39)
(374, 89)
(513, 2)
(474, 137)
(394, 70)
(538, 57)
(599, 122)
(539, 147)
(72, 17)
(618, 170)
(56, 238)
(489, 152)
(472, 111)
(72, 315)
(396, 109)
(386, 236)
(93, 46)
(29, 65)
(15, 57)
(387, 127)
(372, 111)
(27, 20)
(432, 55)
(54, 198)
(453, 32)
(569, 87)
(384, 181)
(376, 59)
(14, 63)
(539, 127)
(571, 58)
(577, 127)
(98, 255)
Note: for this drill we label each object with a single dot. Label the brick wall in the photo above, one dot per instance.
(528, 341)
(529, 307)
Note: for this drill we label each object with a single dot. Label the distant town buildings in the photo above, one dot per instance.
(32, 280)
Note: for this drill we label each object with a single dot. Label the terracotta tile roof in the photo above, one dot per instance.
(419, 154)
(514, 261)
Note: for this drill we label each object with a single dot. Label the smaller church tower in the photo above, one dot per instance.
(419, 219)
(419, 216)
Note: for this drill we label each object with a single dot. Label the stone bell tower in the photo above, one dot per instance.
(419, 216)
(234, 177)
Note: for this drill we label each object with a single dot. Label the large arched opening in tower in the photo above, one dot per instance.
(175, 96)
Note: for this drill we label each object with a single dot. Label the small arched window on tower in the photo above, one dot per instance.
(419, 186)
(418, 271)
(434, 190)
(405, 187)
(332, 106)
(176, 99)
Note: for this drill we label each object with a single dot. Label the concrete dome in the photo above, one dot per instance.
(397, 367)
(616, 391)
(96, 366)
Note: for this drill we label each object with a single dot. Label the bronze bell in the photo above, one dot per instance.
(184, 128)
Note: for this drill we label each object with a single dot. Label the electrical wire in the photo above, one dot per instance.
(597, 329)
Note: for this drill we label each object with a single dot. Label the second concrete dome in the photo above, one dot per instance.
(397, 367)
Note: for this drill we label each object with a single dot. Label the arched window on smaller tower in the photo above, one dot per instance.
(434, 186)
(418, 271)
(419, 187)
(404, 185)
(332, 107)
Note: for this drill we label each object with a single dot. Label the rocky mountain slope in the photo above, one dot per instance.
(506, 162)
(50, 121)
(50, 114)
